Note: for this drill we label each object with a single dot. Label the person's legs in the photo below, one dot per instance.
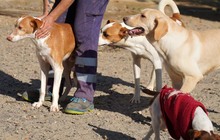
(61, 19)
(87, 23)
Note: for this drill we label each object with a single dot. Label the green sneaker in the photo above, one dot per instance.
(79, 106)
(33, 96)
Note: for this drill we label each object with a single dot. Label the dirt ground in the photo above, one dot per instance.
(114, 117)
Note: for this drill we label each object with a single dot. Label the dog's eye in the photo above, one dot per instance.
(19, 27)
(143, 16)
(105, 34)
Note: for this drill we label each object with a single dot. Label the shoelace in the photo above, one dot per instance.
(76, 100)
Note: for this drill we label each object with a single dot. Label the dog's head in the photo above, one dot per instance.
(24, 28)
(203, 135)
(149, 21)
(112, 32)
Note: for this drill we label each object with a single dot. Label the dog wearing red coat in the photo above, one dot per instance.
(183, 116)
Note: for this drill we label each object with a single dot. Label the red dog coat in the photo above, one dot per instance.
(178, 112)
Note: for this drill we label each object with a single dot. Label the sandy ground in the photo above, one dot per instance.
(114, 116)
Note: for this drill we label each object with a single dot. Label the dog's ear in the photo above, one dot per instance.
(193, 134)
(160, 29)
(123, 32)
(36, 24)
(110, 21)
(177, 18)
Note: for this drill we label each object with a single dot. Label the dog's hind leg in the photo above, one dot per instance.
(190, 83)
(67, 71)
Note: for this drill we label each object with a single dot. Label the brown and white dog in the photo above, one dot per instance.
(115, 33)
(54, 50)
(187, 54)
(183, 116)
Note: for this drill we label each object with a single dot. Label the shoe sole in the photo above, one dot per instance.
(47, 98)
(26, 99)
(74, 112)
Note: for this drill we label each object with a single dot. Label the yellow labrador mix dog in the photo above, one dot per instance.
(55, 50)
(187, 54)
(114, 33)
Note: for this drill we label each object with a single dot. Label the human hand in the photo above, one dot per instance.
(45, 28)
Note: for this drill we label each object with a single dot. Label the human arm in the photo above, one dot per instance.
(47, 6)
(49, 20)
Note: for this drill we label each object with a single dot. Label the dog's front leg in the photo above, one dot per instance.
(137, 72)
(58, 71)
(156, 127)
(44, 74)
(156, 117)
(190, 83)
(156, 75)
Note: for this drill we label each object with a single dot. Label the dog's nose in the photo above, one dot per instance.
(125, 19)
(9, 38)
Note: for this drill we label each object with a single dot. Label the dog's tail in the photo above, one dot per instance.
(171, 3)
(176, 13)
(151, 93)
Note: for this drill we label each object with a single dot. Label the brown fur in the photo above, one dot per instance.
(202, 135)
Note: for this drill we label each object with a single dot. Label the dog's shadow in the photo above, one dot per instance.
(118, 102)
(217, 126)
(110, 135)
(111, 101)
(11, 86)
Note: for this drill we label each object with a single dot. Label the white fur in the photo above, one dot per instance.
(201, 121)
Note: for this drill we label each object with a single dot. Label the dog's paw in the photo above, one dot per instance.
(54, 108)
(135, 100)
(37, 104)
